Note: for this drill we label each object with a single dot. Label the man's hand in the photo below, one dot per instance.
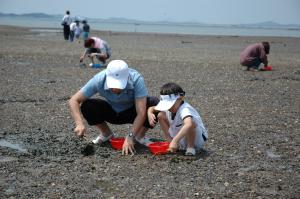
(81, 58)
(93, 54)
(128, 146)
(80, 130)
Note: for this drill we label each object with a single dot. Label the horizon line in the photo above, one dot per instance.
(267, 23)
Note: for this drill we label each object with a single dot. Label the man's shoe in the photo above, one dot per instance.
(101, 139)
(144, 141)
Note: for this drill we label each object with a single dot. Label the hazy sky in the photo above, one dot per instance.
(207, 11)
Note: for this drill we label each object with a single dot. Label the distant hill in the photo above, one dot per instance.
(137, 22)
(37, 15)
(270, 24)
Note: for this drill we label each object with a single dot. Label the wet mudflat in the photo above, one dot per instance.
(252, 117)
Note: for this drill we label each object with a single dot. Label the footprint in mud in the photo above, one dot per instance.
(180, 157)
(89, 149)
(297, 72)
(257, 79)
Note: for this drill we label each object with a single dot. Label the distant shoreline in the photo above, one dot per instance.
(51, 25)
(266, 24)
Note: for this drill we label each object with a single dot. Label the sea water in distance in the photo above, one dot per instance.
(159, 28)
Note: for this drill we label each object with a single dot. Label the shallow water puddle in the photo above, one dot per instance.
(272, 155)
(4, 143)
(44, 30)
(7, 159)
(23, 63)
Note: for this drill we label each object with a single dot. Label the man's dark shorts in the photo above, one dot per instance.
(96, 50)
(97, 111)
(254, 63)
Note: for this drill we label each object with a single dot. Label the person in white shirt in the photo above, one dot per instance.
(77, 30)
(72, 30)
(66, 21)
(180, 122)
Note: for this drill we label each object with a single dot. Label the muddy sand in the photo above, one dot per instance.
(252, 119)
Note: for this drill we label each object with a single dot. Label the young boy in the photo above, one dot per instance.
(180, 122)
(77, 30)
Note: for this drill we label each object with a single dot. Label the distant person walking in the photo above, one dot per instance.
(72, 30)
(66, 21)
(86, 30)
(96, 47)
(255, 54)
(77, 30)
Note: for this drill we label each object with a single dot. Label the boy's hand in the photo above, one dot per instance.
(152, 119)
(173, 147)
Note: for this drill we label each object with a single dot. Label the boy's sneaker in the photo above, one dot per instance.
(190, 151)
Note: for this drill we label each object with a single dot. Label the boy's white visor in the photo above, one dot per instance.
(166, 102)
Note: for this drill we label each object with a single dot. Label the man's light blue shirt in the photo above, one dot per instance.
(134, 89)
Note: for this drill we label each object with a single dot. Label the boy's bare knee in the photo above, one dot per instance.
(161, 116)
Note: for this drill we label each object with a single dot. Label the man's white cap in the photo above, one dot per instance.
(117, 73)
(166, 102)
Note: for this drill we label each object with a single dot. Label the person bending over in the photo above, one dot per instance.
(124, 100)
(255, 54)
(96, 47)
(180, 122)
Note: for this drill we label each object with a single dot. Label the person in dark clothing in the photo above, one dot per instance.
(66, 21)
(86, 30)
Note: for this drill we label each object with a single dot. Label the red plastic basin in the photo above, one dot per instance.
(117, 143)
(268, 68)
(159, 148)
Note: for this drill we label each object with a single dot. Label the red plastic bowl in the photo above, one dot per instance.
(158, 148)
(117, 143)
(268, 68)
